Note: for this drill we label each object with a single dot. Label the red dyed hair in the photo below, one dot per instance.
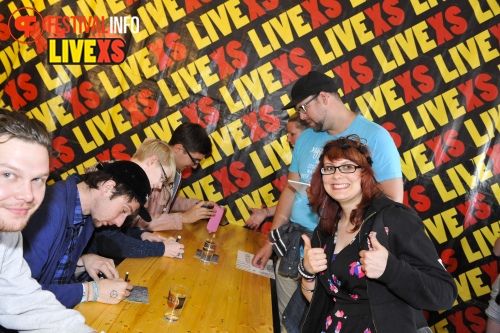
(349, 148)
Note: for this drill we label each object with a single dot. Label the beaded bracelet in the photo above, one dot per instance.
(306, 290)
(303, 272)
(96, 291)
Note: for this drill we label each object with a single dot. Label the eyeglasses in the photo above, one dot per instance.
(165, 177)
(302, 108)
(194, 160)
(346, 168)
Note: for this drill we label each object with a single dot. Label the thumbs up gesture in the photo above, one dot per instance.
(374, 261)
(314, 258)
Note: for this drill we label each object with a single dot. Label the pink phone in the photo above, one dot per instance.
(214, 221)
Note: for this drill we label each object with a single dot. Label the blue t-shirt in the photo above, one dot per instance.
(309, 146)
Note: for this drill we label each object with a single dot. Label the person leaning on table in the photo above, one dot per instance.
(60, 229)
(365, 270)
(24, 167)
(190, 144)
(156, 158)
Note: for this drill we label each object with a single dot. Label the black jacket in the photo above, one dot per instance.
(414, 277)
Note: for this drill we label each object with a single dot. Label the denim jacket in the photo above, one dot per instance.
(287, 242)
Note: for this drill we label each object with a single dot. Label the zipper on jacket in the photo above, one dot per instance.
(371, 308)
(363, 223)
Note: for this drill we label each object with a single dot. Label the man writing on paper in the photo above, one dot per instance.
(61, 228)
(190, 144)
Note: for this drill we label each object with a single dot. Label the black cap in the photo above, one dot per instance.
(310, 84)
(132, 176)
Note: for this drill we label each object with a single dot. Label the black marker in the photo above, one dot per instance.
(126, 277)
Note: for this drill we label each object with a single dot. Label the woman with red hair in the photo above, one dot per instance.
(370, 267)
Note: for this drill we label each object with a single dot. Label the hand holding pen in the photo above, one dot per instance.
(173, 248)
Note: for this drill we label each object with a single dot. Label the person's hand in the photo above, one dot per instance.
(95, 264)
(197, 212)
(257, 217)
(314, 257)
(374, 261)
(172, 248)
(262, 256)
(152, 237)
(113, 291)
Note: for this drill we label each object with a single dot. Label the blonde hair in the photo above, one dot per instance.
(301, 123)
(161, 149)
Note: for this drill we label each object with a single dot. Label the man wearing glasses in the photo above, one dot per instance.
(156, 158)
(190, 144)
(315, 97)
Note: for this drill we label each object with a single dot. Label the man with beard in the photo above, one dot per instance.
(24, 167)
(315, 97)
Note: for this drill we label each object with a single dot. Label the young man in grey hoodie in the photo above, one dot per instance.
(24, 168)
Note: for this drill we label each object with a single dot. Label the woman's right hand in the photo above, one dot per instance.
(314, 257)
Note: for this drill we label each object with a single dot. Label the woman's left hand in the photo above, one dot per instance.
(374, 261)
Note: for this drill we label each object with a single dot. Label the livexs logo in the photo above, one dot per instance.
(62, 36)
(86, 51)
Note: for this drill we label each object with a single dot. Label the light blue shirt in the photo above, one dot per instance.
(309, 146)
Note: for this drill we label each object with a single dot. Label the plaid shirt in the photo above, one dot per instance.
(62, 274)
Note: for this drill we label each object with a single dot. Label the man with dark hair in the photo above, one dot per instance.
(190, 145)
(194, 140)
(24, 167)
(61, 228)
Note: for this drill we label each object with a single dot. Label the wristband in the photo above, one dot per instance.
(96, 291)
(84, 296)
(302, 271)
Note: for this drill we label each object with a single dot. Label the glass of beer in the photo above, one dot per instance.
(177, 295)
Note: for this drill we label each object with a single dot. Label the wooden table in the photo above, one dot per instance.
(223, 298)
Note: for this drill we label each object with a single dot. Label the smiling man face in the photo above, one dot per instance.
(24, 168)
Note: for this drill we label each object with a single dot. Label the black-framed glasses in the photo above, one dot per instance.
(302, 108)
(194, 160)
(165, 177)
(346, 168)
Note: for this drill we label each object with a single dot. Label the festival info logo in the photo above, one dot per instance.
(27, 26)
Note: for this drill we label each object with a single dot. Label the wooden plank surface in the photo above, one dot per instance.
(223, 298)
